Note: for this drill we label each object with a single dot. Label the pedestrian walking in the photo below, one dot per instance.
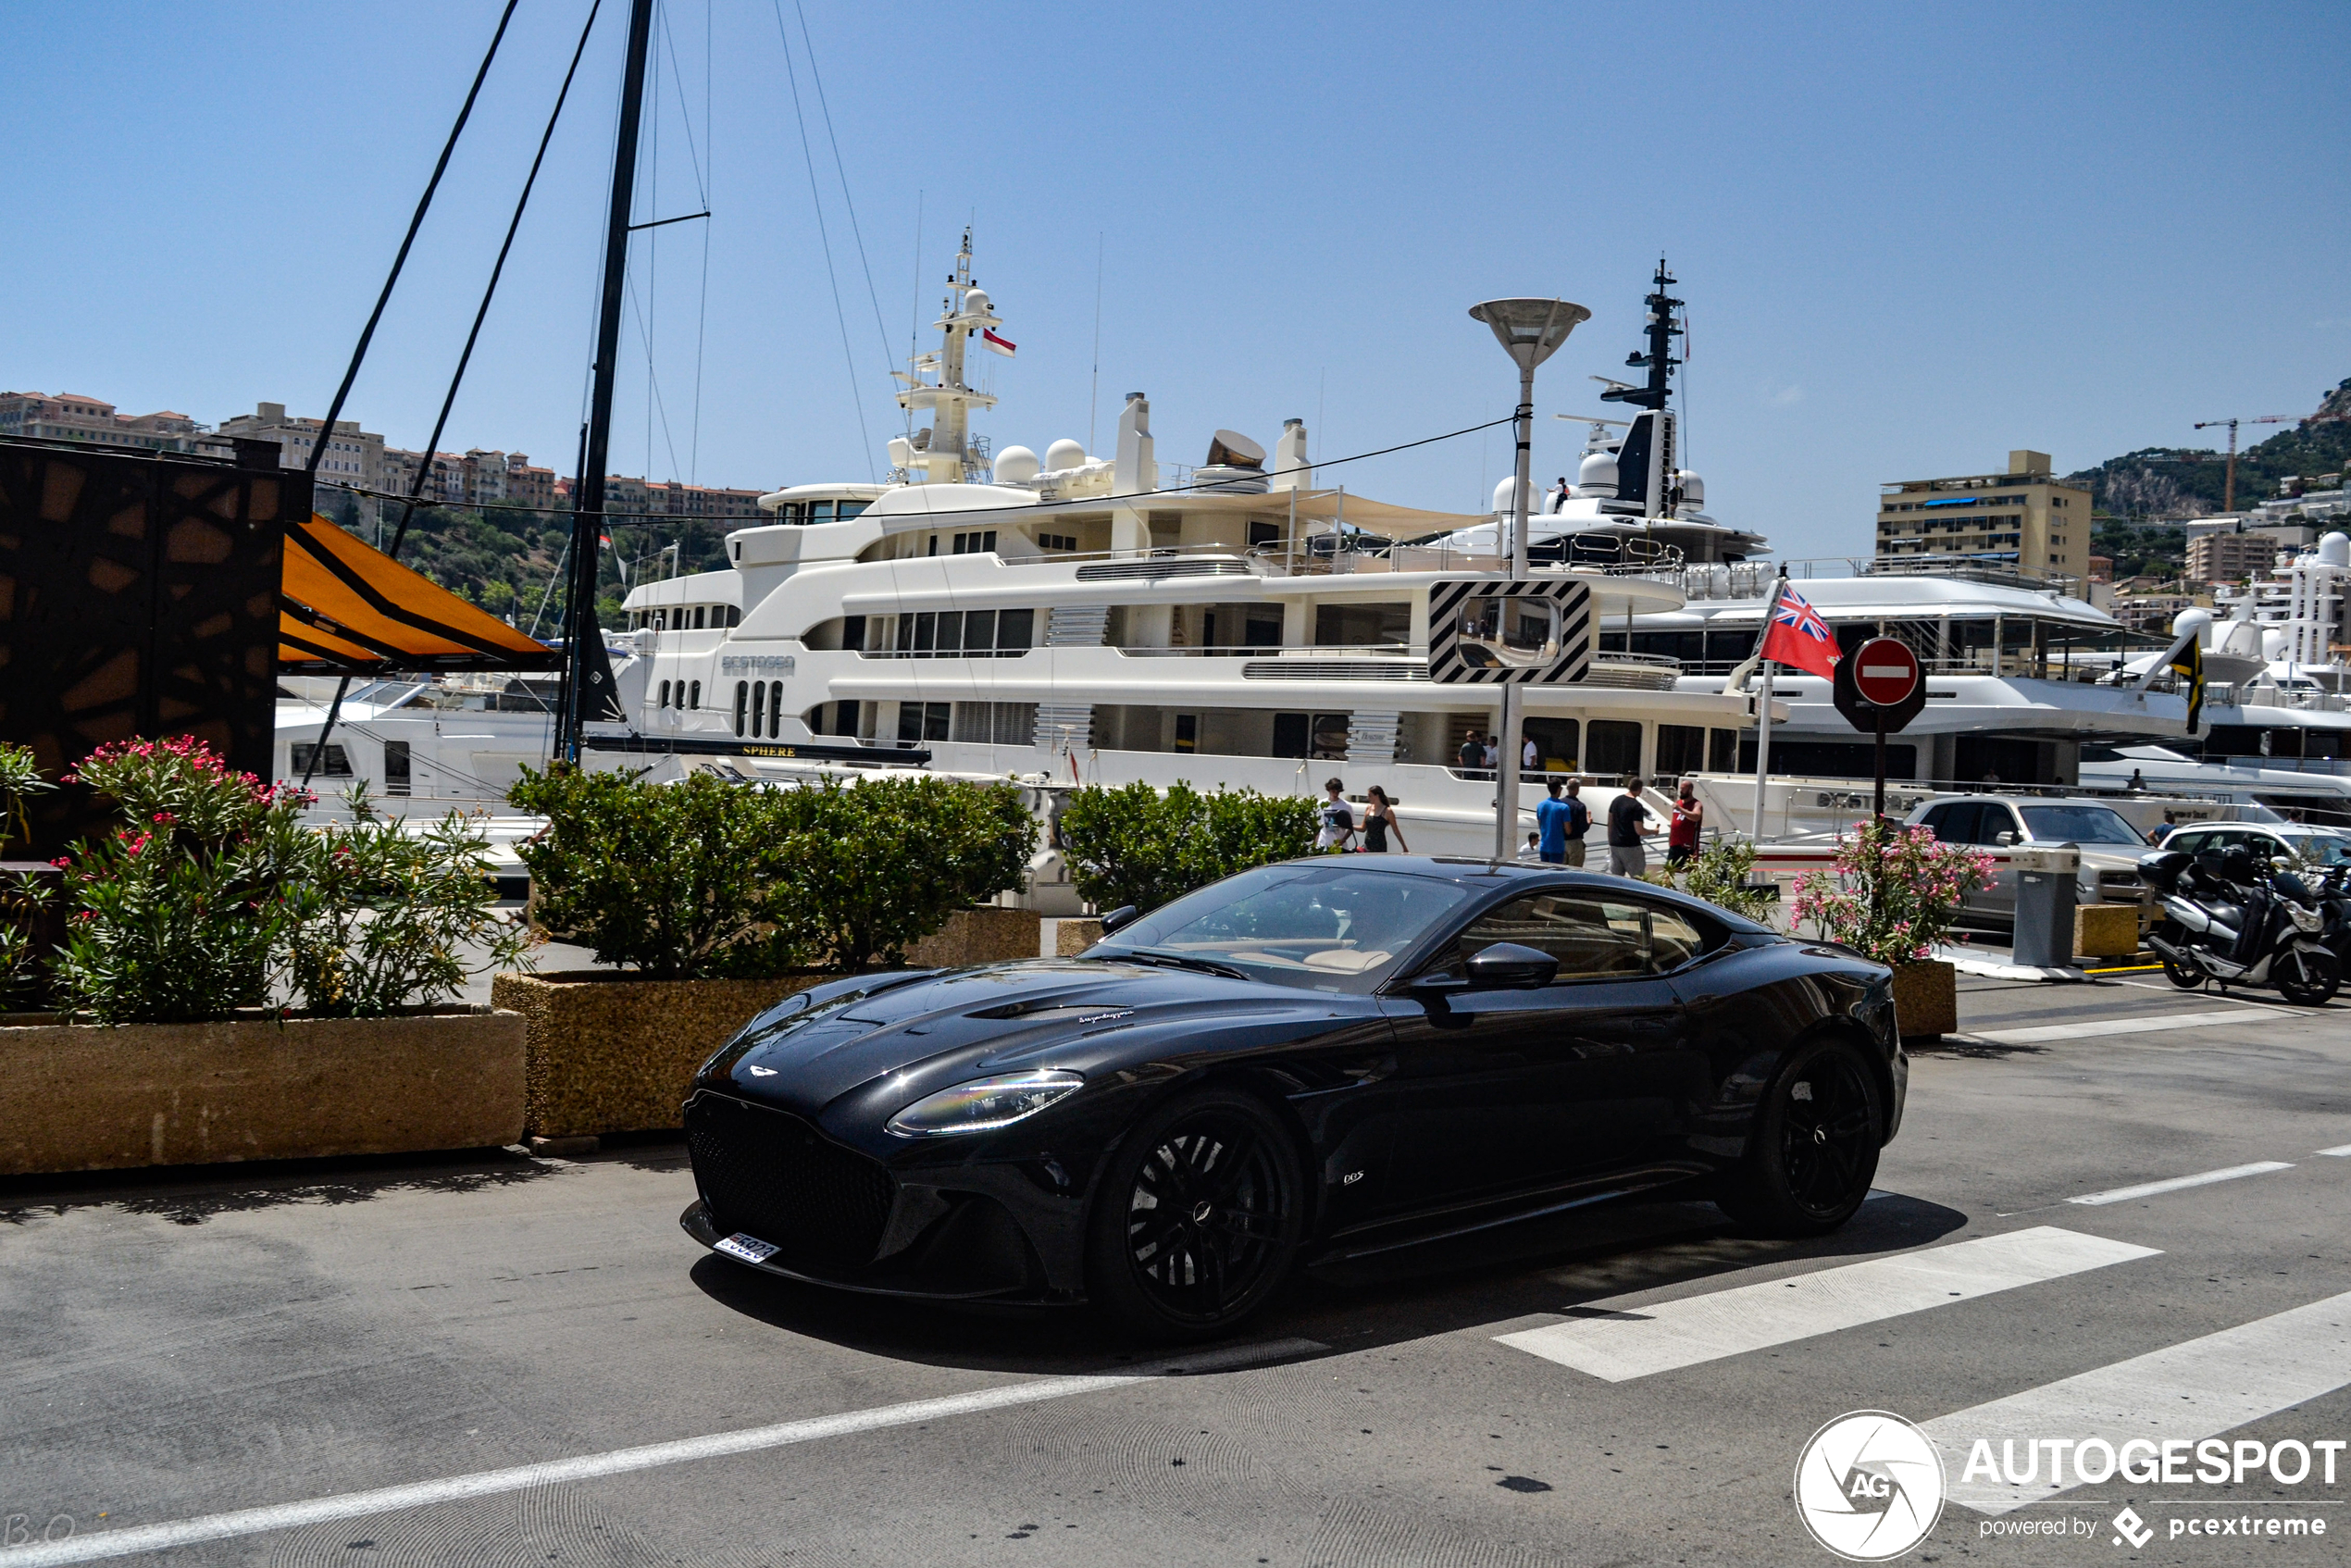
(1338, 822)
(1628, 817)
(1682, 832)
(1472, 755)
(1379, 821)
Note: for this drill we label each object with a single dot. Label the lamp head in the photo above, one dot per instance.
(1530, 329)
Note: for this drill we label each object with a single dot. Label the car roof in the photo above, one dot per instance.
(1468, 870)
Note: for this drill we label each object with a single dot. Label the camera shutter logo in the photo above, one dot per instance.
(1868, 1485)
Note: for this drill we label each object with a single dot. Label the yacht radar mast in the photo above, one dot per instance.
(943, 454)
(1648, 458)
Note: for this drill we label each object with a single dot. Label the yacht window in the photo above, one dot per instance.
(979, 632)
(982, 544)
(693, 695)
(844, 510)
(1014, 630)
(1056, 542)
(758, 707)
(734, 616)
(1264, 536)
(950, 634)
(1681, 749)
(700, 610)
(774, 709)
(1555, 743)
(742, 694)
(1723, 750)
(396, 769)
(852, 633)
(925, 631)
(665, 695)
(336, 765)
(1363, 626)
(820, 511)
(1187, 732)
(996, 724)
(1612, 746)
(925, 721)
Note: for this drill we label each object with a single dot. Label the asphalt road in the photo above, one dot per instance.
(291, 1341)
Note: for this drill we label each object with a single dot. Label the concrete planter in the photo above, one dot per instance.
(987, 935)
(77, 1096)
(609, 1053)
(1926, 998)
(2106, 930)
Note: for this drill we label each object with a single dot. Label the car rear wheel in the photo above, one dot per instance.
(2306, 978)
(1197, 1218)
(1813, 1150)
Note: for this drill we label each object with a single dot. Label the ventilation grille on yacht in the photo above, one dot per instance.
(1152, 571)
(1335, 670)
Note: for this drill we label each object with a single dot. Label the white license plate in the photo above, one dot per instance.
(750, 1249)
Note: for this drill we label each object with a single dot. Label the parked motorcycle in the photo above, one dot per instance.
(2229, 920)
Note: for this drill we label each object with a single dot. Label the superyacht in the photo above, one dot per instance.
(1068, 618)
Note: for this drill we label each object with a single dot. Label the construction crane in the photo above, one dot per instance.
(2228, 485)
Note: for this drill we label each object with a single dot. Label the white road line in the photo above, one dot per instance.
(1637, 1341)
(2176, 1184)
(2340, 1151)
(2189, 1391)
(389, 1500)
(2092, 1028)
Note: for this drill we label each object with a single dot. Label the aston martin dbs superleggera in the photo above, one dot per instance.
(1304, 1064)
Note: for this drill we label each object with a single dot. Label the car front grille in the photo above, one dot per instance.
(769, 1174)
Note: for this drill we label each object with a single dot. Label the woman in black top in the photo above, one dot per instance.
(1379, 817)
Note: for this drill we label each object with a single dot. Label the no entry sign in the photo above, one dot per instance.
(1885, 672)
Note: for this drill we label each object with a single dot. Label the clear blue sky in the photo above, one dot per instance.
(1912, 237)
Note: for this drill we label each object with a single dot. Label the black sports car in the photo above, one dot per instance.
(1307, 1062)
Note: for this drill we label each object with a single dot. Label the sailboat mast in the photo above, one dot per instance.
(582, 665)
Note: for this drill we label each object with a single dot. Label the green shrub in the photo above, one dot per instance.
(1134, 845)
(881, 863)
(176, 915)
(676, 881)
(702, 878)
(1718, 873)
(382, 917)
(23, 895)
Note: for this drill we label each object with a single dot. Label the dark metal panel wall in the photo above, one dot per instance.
(138, 597)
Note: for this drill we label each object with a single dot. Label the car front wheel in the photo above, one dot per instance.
(1197, 1218)
(1812, 1151)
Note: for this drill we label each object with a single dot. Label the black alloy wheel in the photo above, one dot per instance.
(2182, 975)
(2306, 978)
(1198, 1217)
(1813, 1148)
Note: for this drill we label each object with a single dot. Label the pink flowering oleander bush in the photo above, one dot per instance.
(1892, 893)
(176, 915)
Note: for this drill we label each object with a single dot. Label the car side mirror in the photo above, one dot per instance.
(2004, 837)
(1123, 915)
(1510, 966)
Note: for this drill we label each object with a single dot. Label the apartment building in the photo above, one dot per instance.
(2238, 554)
(73, 416)
(624, 495)
(2023, 518)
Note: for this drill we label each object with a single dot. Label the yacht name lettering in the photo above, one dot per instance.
(740, 663)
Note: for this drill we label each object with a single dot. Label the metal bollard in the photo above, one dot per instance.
(2044, 899)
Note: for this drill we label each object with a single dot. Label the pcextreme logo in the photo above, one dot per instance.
(1868, 1485)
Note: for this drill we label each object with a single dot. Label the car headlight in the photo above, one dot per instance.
(984, 1104)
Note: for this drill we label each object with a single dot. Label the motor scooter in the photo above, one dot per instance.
(2228, 920)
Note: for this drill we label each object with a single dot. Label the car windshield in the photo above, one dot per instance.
(1335, 927)
(2080, 824)
(2322, 848)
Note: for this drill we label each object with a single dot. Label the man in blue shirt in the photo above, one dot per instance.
(1561, 825)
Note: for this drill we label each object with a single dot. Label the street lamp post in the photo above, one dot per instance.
(1530, 331)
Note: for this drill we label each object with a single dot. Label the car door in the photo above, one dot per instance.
(1514, 1089)
(1954, 822)
(1995, 901)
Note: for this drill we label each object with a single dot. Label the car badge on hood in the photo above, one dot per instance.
(763, 1072)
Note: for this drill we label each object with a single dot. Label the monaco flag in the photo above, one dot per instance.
(999, 344)
(1797, 636)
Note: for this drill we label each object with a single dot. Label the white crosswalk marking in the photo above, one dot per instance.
(2177, 1184)
(1638, 1341)
(2189, 1391)
(2338, 1150)
(2097, 1028)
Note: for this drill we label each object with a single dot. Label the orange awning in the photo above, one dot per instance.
(348, 606)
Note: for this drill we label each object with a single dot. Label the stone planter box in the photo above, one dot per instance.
(1926, 998)
(609, 1053)
(78, 1097)
(989, 934)
(2106, 930)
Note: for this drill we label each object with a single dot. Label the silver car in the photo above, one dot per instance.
(2110, 847)
(2322, 848)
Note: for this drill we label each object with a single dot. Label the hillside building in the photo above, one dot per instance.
(73, 416)
(2025, 518)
